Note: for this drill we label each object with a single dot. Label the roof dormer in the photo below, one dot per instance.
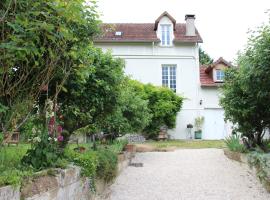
(165, 27)
(213, 75)
(165, 14)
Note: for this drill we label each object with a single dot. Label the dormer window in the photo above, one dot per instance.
(165, 34)
(219, 75)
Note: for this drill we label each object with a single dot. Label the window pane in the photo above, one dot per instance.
(165, 76)
(165, 34)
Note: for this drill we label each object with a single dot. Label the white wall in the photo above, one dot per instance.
(210, 97)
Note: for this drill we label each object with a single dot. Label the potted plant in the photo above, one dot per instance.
(198, 125)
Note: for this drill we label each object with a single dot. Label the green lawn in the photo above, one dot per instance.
(189, 144)
(10, 156)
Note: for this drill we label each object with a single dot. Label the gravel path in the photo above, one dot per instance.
(188, 174)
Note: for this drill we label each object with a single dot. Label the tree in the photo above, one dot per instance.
(87, 102)
(246, 92)
(132, 114)
(164, 105)
(41, 43)
(204, 58)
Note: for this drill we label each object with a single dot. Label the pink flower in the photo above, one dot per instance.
(59, 129)
(52, 121)
(60, 138)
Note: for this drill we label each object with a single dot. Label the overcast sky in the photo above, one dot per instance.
(223, 24)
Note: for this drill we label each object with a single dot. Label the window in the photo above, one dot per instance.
(165, 34)
(219, 75)
(169, 76)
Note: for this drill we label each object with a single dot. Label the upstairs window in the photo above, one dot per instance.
(165, 35)
(169, 76)
(219, 75)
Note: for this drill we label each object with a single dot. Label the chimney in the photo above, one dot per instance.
(190, 27)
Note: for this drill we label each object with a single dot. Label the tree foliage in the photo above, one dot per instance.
(246, 90)
(87, 103)
(204, 57)
(131, 114)
(164, 105)
(40, 41)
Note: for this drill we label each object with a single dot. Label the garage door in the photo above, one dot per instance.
(214, 125)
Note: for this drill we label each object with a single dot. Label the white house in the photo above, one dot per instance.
(165, 53)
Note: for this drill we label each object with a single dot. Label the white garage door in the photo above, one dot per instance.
(214, 125)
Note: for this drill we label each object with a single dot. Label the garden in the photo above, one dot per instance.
(54, 83)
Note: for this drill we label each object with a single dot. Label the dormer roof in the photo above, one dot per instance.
(165, 14)
(206, 75)
(218, 61)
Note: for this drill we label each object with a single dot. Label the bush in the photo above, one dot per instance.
(44, 153)
(164, 105)
(233, 143)
(107, 165)
(261, 162)
(87, 161)
(96, 164)
(118, 145)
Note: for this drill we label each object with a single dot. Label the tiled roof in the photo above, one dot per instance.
(141, 32)
(206, 78)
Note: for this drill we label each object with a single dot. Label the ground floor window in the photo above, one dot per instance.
(169, 76)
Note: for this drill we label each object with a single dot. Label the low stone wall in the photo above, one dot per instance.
(9, 192)
(242, 159)
(67, 184)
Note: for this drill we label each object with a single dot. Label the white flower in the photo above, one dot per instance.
(34, 131)
(55, 139)
(36, 139)
(49, 138)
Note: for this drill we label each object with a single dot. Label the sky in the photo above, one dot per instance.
(223, 24)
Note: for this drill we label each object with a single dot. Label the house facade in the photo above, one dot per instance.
(166, 53)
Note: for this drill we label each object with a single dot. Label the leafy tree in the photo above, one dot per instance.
(87, 103)
(131, 114)
(40, 41)
(246, 90)
(204, 58)
(164, 105)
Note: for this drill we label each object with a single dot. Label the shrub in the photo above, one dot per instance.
(233, 143)
(95, 164)
(107, 165)
(87, 161)
(261, 162)
(118, 146)
(44, 153)
(164, 105)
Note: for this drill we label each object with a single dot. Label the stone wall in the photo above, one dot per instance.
(66, 184)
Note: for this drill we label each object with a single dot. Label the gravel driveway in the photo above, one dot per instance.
(188, 174)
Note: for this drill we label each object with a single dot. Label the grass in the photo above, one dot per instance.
(10, 156)
(10, 160)
(188, 144)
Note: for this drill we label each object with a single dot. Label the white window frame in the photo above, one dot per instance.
(166, 34)
(169, 76)
(216, 75)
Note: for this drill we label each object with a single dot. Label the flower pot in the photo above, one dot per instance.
(80, 149)
(198, 134)
(130, 148)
